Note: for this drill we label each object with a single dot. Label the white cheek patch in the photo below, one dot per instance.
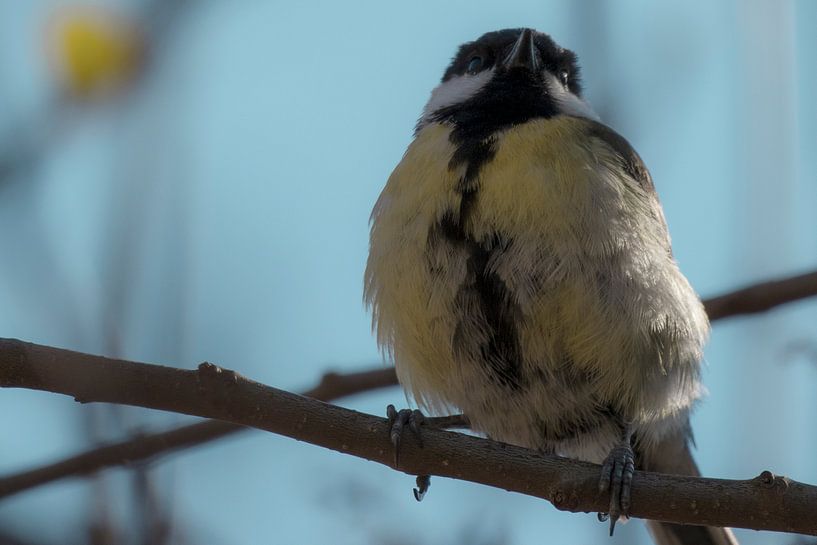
(460, 88)
(455, 91)
(567, 102)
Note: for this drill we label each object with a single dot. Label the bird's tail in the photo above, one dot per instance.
(672, 455)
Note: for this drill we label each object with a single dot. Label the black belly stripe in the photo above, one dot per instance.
(503, 103)
(483, 292)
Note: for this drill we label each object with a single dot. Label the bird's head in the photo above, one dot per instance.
(505, 78)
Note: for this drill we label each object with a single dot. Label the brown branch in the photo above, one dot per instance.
(763, 503)
(762, 297)
(333, 385)
(142, 447)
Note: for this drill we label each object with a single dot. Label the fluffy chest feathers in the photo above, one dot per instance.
(529, 275)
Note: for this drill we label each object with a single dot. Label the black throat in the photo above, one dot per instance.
(510, 98)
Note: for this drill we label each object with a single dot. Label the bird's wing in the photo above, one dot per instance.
(673, 456)
(631, 161)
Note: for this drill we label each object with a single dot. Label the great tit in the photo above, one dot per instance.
(520, 270)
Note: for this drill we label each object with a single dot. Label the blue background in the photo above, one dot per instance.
(219, 211)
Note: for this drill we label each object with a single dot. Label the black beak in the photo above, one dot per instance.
(524, 53)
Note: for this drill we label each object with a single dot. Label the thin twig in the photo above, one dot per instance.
(766, 502)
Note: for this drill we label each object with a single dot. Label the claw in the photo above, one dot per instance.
(398, 421)
(617, 477)
(395, 430)
(613, 520)
(416, 419)
(423, 484)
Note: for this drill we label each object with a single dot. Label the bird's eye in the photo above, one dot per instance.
(474, 65)
(564, 77)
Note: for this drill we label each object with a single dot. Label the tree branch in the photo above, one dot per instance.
(762, 297)
(763, 503)
(142, 447)
(756, 298)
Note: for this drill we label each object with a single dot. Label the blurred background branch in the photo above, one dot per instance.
(99, 57)
(762, 297)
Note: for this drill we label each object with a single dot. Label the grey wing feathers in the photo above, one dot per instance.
(672, 456)
(630, 159)
(665, 533)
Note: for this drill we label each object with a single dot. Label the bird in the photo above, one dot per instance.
(520, 271)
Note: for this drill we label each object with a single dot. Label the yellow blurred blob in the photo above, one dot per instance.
(94, 52)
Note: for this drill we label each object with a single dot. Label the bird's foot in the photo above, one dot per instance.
(397, 423)
(617, 478)
(414, 419)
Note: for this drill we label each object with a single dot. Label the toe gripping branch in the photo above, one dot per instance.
(617, 478)
(414, 419)
(397, 423)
